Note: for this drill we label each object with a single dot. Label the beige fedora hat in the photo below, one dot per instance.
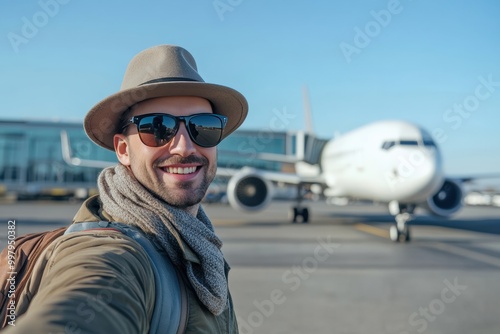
(164, 70)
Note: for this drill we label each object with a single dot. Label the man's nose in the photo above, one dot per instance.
(182, 143)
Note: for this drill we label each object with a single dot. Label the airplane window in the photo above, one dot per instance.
(408, 142)
(429, 142)
(388, 144)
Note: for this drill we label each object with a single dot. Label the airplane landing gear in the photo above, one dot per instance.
(400, 231)
(403, 213)
(299, 213)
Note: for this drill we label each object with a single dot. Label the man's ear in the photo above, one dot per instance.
(122, 149)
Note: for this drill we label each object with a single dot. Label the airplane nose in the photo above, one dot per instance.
(422, 173)
(429, 174)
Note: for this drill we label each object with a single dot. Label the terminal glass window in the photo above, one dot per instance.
(249, 148)
(11, 152)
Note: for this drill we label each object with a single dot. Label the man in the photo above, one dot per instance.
(164, 125)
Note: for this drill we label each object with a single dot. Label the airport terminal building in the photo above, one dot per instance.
(31, 160)
(32, 163)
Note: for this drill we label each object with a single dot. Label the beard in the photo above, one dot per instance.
(181, 194)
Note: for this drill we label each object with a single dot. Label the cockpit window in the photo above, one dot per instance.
(388, 144)
(408, 142)
(429, 142)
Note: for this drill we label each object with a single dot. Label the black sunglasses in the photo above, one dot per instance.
(156, 130)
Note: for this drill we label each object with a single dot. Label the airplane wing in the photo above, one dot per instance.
(471, 178)
(273, 176)
(71, 160)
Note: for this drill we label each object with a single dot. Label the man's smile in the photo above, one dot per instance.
(180, 170)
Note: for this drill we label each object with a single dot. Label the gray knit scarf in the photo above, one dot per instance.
(124, 198)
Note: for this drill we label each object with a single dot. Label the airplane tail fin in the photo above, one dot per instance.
(308, 146)
(307, 111)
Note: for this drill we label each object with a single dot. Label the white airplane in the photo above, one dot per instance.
(393, 162)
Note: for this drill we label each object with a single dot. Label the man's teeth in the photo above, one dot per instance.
(181, 170)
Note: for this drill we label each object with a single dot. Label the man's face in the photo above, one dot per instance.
(180, 171)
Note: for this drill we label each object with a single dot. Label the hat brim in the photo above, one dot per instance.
(103, 120)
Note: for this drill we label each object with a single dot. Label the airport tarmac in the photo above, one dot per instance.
(340, 273)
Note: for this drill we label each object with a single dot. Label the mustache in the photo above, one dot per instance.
(192, 159)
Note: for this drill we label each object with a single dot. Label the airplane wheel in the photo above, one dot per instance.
(407, 234)
(293, 214)
(394, 233)
(297, 212)
(305, 215)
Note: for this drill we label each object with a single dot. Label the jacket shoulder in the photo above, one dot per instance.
(102, 274)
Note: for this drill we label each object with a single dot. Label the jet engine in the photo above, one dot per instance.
(248, 190)
(447, 201)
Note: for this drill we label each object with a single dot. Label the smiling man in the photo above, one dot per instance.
(164, 125)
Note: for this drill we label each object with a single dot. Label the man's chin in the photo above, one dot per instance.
(182, 201)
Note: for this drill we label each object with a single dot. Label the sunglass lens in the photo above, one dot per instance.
(206, 130)
(156, 130)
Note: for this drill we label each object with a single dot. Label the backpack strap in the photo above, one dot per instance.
(170, 311)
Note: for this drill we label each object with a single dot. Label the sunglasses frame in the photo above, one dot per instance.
(178, 119)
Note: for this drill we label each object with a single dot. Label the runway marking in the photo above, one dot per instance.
(379, 232)
(488, 259)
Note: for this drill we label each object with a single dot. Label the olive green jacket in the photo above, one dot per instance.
(101, 281)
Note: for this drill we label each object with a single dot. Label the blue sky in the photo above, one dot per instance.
(362, 61)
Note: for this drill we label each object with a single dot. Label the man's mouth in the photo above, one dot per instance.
(180, 170)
